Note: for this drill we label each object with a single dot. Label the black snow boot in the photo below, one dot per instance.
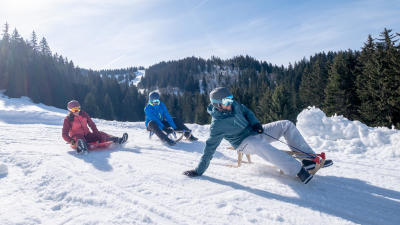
(82, 147)
(310, 165)
(192, 138)
(123, 139)
(189, 136)
(304, 175)
(169, 141)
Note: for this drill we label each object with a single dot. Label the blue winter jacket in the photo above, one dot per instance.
(233, 126)
(158, 113)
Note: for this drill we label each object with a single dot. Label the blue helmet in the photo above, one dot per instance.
(154, 97)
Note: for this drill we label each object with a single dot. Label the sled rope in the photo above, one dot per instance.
(300, 151)
(317, 158)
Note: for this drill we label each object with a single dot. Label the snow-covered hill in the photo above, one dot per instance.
(139, 74)
(142, 183)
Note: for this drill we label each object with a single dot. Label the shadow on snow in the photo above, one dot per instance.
(347, 198)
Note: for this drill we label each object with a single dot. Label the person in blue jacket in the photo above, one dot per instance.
(159, 121)
(238, 125)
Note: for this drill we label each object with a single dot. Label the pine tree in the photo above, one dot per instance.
(201, 115)
(262, 111)
(6, 35)
(281, 105)
(16, 37)
(34, 42)
(390, 78)
(4, 58)
(108, 110)
(313, 83)
(90, 105)
(367, 82)
(340, 92)
(131, 107)
(44, 47)
(378, 81)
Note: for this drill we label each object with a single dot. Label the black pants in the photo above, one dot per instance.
(152, 126)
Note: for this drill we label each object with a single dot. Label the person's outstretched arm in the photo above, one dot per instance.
(211, 145)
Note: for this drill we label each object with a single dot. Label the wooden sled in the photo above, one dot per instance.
(319, 159)
(240, 158)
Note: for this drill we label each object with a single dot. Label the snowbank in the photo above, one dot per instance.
(337, 133)
(24, 111)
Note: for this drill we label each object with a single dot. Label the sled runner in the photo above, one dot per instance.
(240, 158)
(173, 136)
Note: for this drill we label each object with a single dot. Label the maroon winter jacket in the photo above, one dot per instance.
(77, 125)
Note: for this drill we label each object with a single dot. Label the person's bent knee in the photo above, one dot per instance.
(287, 123)
(152, 125)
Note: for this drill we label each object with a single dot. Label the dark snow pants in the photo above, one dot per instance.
(93, 137)
(152, 126)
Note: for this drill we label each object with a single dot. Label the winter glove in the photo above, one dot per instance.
(258, 128)
(168, 130)
(72, 142)
(191, 173)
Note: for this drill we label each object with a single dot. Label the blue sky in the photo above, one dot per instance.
(101, 34)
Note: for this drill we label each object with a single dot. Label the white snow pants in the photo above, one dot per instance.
(260, 145)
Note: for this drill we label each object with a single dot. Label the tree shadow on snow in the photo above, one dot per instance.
(351, 199)
(100, 158)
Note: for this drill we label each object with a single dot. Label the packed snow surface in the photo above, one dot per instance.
(45, 182)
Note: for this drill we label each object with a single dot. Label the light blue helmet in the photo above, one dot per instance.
(219, 95)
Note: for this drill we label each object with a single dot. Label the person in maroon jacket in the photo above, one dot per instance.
(76, 131)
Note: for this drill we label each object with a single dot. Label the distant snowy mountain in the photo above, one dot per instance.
(133, 78)
(142, 182)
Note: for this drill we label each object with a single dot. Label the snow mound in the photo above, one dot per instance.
(337, 133)
(24, 111)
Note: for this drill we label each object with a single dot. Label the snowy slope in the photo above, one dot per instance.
(141, 183)
(139, 74)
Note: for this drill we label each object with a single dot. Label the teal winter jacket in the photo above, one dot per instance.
(233, 126)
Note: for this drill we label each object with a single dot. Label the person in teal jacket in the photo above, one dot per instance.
(238, 125)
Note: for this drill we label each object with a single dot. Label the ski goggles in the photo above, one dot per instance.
(154, 102)
(225, 101)
(75, 109)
